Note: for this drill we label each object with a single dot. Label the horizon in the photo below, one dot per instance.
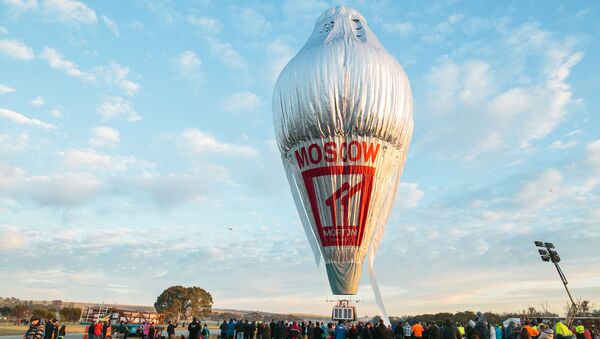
(137, 152)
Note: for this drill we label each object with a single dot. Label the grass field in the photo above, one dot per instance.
(10, 329)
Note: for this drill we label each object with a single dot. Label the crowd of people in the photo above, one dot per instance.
(477, 328)
(51, 329)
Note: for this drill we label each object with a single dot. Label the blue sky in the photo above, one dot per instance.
(137, 152)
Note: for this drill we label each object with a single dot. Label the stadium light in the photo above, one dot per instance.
(547, 253)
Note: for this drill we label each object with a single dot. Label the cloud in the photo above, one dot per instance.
(57, 61)
(592, 151)
(6, 89)
(540, 192)
(559, 144)
(16, 49)
(249, 22)
(12, 142)
(19, 118)
(116, 74)
(55, 113)
(114, 107)
(104, 136)
(207, 24)
(92, 160)
(202, 143)
(188, 64)
(241, 102)
(111, 25)
(39, 101)
(173, 189)
(511, 114)
(278, 54)
(409, 195)
(226, 54)
(70, 11)
(18, 6)
(64, 190)
(399, 28)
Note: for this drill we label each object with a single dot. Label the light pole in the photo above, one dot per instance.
(548, 253)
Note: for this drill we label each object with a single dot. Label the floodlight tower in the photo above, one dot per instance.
(549, 253)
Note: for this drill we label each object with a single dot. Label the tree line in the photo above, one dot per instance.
(25, 311)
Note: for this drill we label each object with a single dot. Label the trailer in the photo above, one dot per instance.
(132, 319)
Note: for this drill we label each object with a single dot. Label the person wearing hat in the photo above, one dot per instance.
(36, 329)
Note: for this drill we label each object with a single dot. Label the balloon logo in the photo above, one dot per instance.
(342, 111)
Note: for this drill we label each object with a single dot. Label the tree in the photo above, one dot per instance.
(20, 311)
(178, 302)
(69, 314)
(5, 310)
(39, 312)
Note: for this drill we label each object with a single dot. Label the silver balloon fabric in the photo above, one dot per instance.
(342, 112)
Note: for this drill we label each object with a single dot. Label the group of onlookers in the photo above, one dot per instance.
(477, 328)
(51, 329)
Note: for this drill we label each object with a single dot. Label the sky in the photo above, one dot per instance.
(137, 152)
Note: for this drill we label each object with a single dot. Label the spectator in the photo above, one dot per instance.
(36, 329)
(193, 329)
(341, 332)
(230, 329)
(98, 330)
(434, 331)
(450, 331)
(62, 332)
(417, 330)
(171, 330)
(205, 332)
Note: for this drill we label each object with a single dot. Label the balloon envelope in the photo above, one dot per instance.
(342, 111)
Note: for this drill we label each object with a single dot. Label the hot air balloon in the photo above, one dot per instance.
(342, 113)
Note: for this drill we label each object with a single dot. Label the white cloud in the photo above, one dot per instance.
(19, 118)
(111, 25)
(593, 154)
(92, 160)
(116, 74)
(55, 113)
(508, 113)
(202, 143)
(559, 144)
(13, 143)
(65, 189)
(242, 102)
(18, 6)
(541, 191)
(249, 22)
(57, 61)
(39, 101)
(400, 28)
(114, 107)
(15, 49)
(409, 195)
(278, 54)
(3, 30)
(172, 189)
(207, 24)
(70, 11)
(226, 54)
(104, 136)
(189, 64)
(6, 89)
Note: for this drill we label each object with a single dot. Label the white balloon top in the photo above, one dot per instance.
(342, 82)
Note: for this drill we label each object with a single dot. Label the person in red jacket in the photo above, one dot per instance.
(98, 330)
